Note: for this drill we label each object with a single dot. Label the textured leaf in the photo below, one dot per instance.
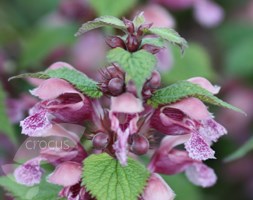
(153, 41)
(184, 89)
(79, 80)
(111, 7)
(169, 35)
(137, 65)
(106, 179)
(241, 152)
(100, 22)
(6, 127)
(39, 192)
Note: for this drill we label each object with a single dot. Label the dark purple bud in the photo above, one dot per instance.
(100, 141)
(114, 41)
(142, 28)
(132, 43)
(130, 25)
(115, 72)
(151, 48)
(140, 145)
(155, 80)
(116, 86)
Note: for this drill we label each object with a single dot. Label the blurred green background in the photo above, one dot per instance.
(34, 34)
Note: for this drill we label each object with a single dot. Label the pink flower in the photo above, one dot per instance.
(66, 160)
(128, 105)
(29, 173)
(168, 160)
(157, 188)
(190, 116)
(59, 101)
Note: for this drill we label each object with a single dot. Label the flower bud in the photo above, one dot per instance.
(132, 43)
(155, 80)
(113, 81)
(100, 141)
(151, 48)
(142, 28)
(114, 41)
(116, 86)
(140, 145)
(129, 24)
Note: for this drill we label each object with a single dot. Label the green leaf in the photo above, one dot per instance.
(40, 43)
(111, 7)
(106, 179)
(153, 41)
(6, 127)
(184, 89)
(42, 191)
(169, 35)
(195, 62)
(137, 65)
(238, 60)
(100, 22)
(79, 80)
(139, 19)
(241, 152)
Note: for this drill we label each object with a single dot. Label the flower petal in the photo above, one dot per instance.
(201, 175)
(59, 65)
(52, 88)
(198, 148)
(170, 121)
(157, 188)
(211, 130)
(29, 173)
(35, 125)
(126, 103)
(166, 160)
(192, 107)
(204, 83)
(66, 174)
(121, 146)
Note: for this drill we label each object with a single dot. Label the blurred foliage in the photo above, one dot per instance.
(6, 126)
(42, 41)
(116, 8)
(194, 62)
(241, 152)
(237, 39)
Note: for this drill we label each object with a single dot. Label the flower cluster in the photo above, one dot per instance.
(122, 123)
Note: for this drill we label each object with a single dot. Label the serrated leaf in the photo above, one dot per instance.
(42, 191)
(184, 89)
(153, 41)
(137, 65)
(169, 35)
(100, 22)
(111, 7)
(79, 80)
(106, 179)
(6, 127)
(241, 152)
